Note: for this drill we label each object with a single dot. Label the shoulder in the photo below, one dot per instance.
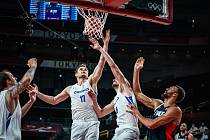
(3, 93)
(67, 89)
(175, 112)
(175, 109)
(157, 102)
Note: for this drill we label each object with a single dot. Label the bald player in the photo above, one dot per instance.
(167, 115)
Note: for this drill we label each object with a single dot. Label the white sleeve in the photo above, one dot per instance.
(2, 115)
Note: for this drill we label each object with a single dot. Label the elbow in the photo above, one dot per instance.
(136, 92)
(138, 97)
(112, 65)
(53, 102)
(26, 82)
(151, 126)
(100, 116)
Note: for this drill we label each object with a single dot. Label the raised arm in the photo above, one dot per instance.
(28, 105)
(136, 73)
(149, 102)
(29, 75)
(115, 69)
(172, 114)
(53, 100)
(96, 75)
(14, 91)
(100, 112)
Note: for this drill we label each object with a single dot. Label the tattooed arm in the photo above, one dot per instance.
(26, 80)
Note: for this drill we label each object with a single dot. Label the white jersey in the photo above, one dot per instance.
(12, 131)
(81, 103)
(120, 106)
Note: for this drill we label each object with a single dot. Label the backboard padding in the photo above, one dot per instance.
(167, 20)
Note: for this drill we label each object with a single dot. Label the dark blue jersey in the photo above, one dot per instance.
(165, 132)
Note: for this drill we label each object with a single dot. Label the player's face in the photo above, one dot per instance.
(169, 92)
(12, 79)
(183, 127)
(115, 83)
(82, 72)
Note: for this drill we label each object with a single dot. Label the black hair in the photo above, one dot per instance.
(181, 94)
(3, 78)
(81, 65)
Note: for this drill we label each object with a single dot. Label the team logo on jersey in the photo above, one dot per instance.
(77, 92)
(129, 99)
(159, 113)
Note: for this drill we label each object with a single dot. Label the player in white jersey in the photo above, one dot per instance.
(10, 110)
(85, 124)
(127, 123)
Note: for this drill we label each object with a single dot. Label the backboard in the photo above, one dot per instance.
(157, 11)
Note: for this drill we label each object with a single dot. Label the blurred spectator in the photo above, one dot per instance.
(193, 129)
(204, 130)
(183, 134)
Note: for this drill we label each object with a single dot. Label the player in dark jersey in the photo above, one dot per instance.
(183, 134)
(167, 115)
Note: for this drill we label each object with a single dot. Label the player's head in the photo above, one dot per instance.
(7, 79)
(115, 84)
(174, 92)
(183, 127)
(81, 71)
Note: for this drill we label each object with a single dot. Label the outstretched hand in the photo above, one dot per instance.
(139, 63)
(107, 37)
(32, 96)
(32, 90)
(32, 62)
(92, 94)
(133, 110)
(95, 44)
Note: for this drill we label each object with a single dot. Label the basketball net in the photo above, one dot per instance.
(94, 22)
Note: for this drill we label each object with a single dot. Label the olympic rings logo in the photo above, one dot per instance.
(155, 6)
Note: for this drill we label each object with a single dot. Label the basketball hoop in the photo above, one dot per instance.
(94, 22)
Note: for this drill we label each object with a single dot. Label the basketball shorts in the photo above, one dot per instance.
(85, 130)
(126, 133)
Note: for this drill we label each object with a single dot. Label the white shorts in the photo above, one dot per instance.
(126, 133)
(85, 130)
